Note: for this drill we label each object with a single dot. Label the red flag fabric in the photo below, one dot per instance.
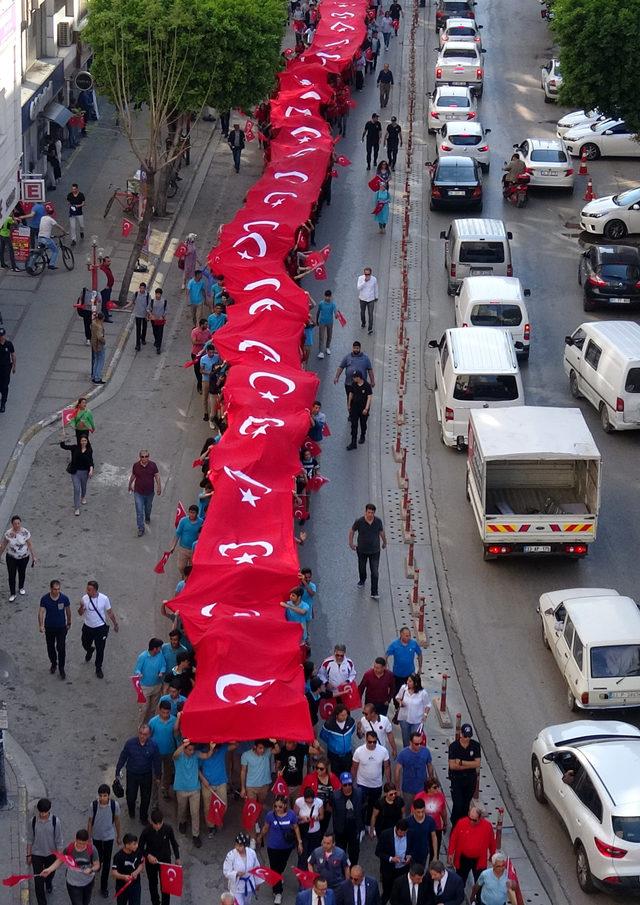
(267, 874)
(180, 513)
(67, 414)
(66, 859)
(251, 811)
(280, 787)
(181, 250)
(217, 810)
(196, 463)
(127, 226)
(374, 184)
(164, 559)
(125, 886)
(350, 695)
(171, 879)
(378, 207)
(135, 681)
(334, 173)
(343, 160)
(14, 879)
(305, 877)
(189, 364)
(341, 319)
(320, 272)
(326, 431)
(311, 446)
(326, 708)
(316, 482)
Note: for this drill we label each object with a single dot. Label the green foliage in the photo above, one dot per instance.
(599, 41)
(223, 53)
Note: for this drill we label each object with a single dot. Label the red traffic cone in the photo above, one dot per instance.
(583, 171)
(589, 195)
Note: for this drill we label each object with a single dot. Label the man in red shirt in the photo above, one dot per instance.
(378, 685)
(200, 335)
(471, 844)
(144, 483)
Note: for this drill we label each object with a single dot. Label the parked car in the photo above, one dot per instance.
(614, 216)
(461, 30)
(450, 103)
(454, 9)
(468, 138)
(577, 119)
(551, 80)
(460, 63)
(606, 138)
(548, 163)
(587, 771)
(610, 275)
(594, 636)
(456, 182)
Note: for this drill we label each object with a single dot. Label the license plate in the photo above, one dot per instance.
(549, 173)
(450, 116)
(479, 271)
(617, 301)
(456, 192)
(537, 549)
(624, 694)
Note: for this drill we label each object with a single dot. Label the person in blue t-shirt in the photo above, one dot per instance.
(173, 698)
(214, 778)
(217, 319)
(171, 649)
(196, 295)
(318, 422)
(309, 588)
(297, 609)
(150, 667)
(414, 765)
(325, 315)
(37, 213)
(404, 651)
(186, 535)
(54, 621)
(163, 734)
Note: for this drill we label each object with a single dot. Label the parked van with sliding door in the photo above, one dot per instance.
(475, 368)
(602, 362)
(476, 248)
(495, 302)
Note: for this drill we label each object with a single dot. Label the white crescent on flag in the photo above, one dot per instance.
(290, 175)
(267, 281)
(246, 557)
(303, 111)
(260, 243)
(306, 130)
(266, 351)
(261, 425)
(280, 196)
(264, 304)
(267, 375)
(272, 223)
(246, 493)
(230, 679)
(208, 609)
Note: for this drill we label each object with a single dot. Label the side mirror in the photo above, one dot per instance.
(429, 163)
(509, 236)
(479, 26)
(607, 132)
(443, 234)
(527, 293)
(635, 207)
(551, 758)
(568, 341)
(486, 131)
(433, 344)
(515, 147)
(483, 50)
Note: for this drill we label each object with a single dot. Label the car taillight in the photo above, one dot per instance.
(479, 72)
(448, 414)
(477, 192)
(595, 280)
(435, 115)
(552, 83)
(619, 405)
(529, 171)
(483, 148)
(569, 172)
(527, 331)
(498, 549)
(471, 115)
(435, 192)
(584, 698)
(438, 72)
(453, 269)
(465, 325)
(610, 851)
(445, 148)
(477, 39)
(445, 38)
(509, 270)
(612, 881)
(578, 549)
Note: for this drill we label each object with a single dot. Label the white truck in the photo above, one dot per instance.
(533, 481)
(460, 63)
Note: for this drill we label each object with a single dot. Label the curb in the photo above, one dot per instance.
(34, 429)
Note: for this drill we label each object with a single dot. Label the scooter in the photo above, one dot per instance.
(547, 10)
(517, 193)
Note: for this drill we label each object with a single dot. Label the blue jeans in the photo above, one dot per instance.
(144, 502)
(54, 251)
(97, 364)
(406, 729)
(236, 158)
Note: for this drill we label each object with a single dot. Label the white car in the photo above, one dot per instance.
(614, 216)
(450, 103)
(547, 161)
(551, 80)
(461, 30)
(607, 138)
(459, 63)
(588, 772)
(578, 119)
(469, 139)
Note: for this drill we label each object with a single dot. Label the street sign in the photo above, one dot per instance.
(32, 189)
(83, 81)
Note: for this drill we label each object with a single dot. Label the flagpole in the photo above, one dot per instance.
(5, 804)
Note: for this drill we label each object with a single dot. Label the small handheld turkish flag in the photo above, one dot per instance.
(341, 319)
(164, 559)
(374, 184)
(196, 463)
(326, 432)
(316, 481)
(325, 252)
(343, 160)
(181, 250)
(314, 448)
(314, 259)
(280, 787)
(14, 879)
(67, 414)
(127, 226)
(66, 859)
(267, 874)
(326, 708)
(251, 811)
(305, 877)
(135, 681)
(217, 810)
(171, 879)
(334, 173)
(320, 272)
(180, 513)
(189, 364)
(350, 695)
(378, 208)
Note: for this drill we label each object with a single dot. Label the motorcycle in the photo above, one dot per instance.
(517, 193)
(547, 10)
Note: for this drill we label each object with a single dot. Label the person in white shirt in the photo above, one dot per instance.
(371, 721)
(414, 703)
(368, 296)
(337, 670)
(370, 761)
(96, 609)
(45, 229)
(309, 809)
(236, 868)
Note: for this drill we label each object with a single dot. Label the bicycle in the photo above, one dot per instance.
(39, 258)
(129, 202)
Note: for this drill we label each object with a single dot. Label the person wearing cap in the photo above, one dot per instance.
(7, 366)
(372, 132)
(356, 360)
(393, 140)
(465, 759)
(348, 816)
(359, 405)
(329, 861)
(237, 864)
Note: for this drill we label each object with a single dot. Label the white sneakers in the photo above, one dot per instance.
(320, 354)
(328, 351)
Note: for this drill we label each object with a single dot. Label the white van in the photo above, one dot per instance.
(602, 362)
(476, 248)
(475, 368)
(495, 302)
(594, 636)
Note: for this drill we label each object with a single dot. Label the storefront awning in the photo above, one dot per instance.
(57, 113)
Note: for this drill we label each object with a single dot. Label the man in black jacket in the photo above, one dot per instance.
(411, 889)
(358, 889)
(391, 851)
(372, 131)
(444, 886)
(156, 843)
(348, 817)
(236, 143)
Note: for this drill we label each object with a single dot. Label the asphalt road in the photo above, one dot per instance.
(491, 606)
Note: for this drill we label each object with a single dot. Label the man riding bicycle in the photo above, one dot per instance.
(47, 224)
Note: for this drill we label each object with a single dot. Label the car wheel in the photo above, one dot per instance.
(588, 304)
(583, 871)
(591, 151)
(547, 99)
(478, 207)
(486, 167)
(466, 489)
(614, 229)
(571, 701)
(431, 131)
(573, 385)
(604, 419)
(536, 779)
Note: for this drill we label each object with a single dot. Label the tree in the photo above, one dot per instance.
(599, 42)
(161, 61)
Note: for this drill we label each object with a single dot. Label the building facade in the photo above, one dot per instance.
(10, 127)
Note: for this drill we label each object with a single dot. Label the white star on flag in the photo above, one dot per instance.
(249, 497)
(246, 557)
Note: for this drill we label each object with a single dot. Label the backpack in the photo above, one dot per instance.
(69, 849)
(54, 821)
(94, 806)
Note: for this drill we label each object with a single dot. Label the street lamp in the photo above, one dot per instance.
(93, 262)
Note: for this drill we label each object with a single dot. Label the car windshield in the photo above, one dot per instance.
(627, 272)
(496, 315)
(548, 155)
(461, 30)
(460, 139)
(613, 661)
(481, 253)
(461, 52)
(453, 101)
(632, 383)
(456, 6)
(461, 175)
(630, 197)
(627, 828)
(486, 388)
